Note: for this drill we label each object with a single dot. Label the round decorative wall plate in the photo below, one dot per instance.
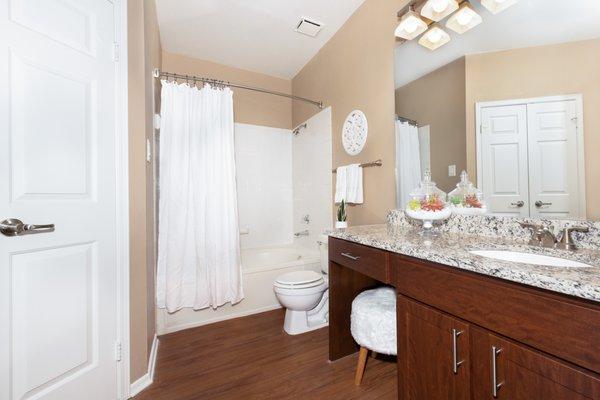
(354, 132)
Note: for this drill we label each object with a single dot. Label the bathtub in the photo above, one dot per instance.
(277, 257)
(260, 267)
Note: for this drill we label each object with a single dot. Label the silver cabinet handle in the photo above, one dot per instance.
(495, 385)
(455, 363)
(518, 204)
(16, 227)
(540, 203)
(350, 256)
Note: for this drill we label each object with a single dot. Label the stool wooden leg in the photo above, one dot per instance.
(360, 367)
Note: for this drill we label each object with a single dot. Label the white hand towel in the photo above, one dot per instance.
(340, 184)
(354, 184)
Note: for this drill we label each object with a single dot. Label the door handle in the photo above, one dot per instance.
(455, 363)
(540, 203)
(495, 385)
(16, 227)
(518, 204)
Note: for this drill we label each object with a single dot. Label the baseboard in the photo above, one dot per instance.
(146, 379)
(176, 328)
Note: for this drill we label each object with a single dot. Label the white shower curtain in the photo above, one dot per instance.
(198, 240)
(408, 164)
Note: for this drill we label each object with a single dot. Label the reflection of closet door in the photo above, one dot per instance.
(504, 159)
(553, 177)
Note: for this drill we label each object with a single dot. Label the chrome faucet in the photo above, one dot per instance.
(566, 241)
(302, 233)
(542, 235)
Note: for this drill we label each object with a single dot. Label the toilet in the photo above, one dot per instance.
(305, 296)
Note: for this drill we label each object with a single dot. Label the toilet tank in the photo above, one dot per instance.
(323, 241)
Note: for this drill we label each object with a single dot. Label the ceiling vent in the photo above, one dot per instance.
(308, 27)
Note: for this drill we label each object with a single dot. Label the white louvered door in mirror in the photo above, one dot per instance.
(58, 289)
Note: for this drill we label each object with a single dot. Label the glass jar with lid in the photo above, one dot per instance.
(427, 197)
(466, 198)
(427, 202)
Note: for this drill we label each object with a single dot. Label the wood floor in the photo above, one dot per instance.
(252, 358)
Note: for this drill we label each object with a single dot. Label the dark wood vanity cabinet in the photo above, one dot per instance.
(520, 373)
(462, 334)
(443, 357)
(433, 353)
(487, 327)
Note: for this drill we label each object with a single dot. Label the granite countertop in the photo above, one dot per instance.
(452, 249)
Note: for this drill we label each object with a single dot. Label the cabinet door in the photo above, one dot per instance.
(433, 353)
(520, 373)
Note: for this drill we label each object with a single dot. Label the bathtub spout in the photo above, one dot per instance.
(302, 233)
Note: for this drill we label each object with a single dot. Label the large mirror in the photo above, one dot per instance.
(514, 101)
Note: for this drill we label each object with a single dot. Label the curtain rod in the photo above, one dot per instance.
(404, 119)
(157, 73)
(376, 163)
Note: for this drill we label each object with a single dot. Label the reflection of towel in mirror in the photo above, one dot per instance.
(349, 184)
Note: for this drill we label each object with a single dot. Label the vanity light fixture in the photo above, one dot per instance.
(464, 19)
(436, 10)
(434, 38)
(495, 6)
(411, 25)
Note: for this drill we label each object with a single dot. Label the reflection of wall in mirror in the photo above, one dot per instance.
(568, 68)
(438, 100)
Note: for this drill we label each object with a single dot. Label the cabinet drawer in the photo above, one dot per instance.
(364, 259)
(558, 325)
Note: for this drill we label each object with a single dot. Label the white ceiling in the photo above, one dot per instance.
(256, 35)
(527, 23)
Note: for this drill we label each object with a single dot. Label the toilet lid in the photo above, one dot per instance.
(299, 278)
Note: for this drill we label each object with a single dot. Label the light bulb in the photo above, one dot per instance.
(500, 1)
(411, 25)
(434, 36)
(439, 5)
(464, 17)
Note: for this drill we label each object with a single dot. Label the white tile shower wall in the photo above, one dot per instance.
(312, 163)
(264, 184)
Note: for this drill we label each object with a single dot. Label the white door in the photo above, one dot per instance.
(504, 159)
(58, 289)
(553, 175)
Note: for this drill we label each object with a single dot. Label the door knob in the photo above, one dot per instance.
(540, 203)
(16, 227)
(518, 204)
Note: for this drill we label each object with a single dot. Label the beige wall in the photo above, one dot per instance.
(143, 53)
(152, 95)
(542, 71)
(355, 70)
(249, 107)
(438, 100)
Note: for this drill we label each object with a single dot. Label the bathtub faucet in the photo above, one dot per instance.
(303, 233)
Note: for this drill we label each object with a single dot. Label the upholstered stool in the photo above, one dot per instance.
(373, 325)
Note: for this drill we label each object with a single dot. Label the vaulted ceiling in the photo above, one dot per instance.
(257, 35)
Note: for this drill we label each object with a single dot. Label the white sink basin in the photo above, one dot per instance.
(529, 258)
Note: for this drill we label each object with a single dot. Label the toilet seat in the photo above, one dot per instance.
(299, 280)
